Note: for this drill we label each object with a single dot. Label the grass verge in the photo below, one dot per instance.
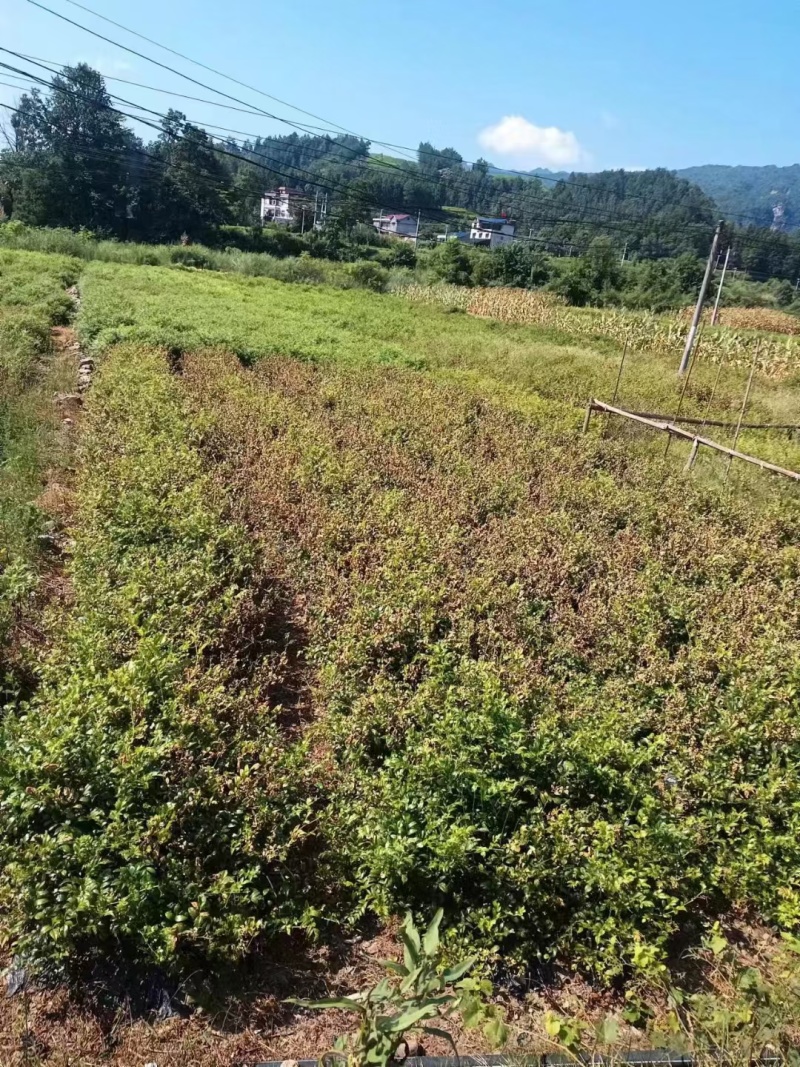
(32, 299)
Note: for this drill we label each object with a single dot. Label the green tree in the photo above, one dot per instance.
(451, 263)
(191, 191)
(246, 191)
(73, 156)
(519, 265)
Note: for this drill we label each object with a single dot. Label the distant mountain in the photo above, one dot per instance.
(765, 196)
(769, 196)
(537, 172)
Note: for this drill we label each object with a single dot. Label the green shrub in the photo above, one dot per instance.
(554, 686)
(147, 805)
(369, 275)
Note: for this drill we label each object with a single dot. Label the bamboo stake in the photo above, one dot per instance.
(744, 405)
(616, 383)
(706, 442)
(711, 398)
(685, 384)
(692, 455)
(691, 421)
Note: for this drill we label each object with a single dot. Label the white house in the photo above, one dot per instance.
(282, 204)
(394, 225)
(491, 233)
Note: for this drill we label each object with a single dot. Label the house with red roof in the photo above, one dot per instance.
(396, 225)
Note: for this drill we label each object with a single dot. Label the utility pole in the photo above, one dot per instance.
(701, 299)
(416, 235)
(715, 312)
(624, 252)
(316, 201)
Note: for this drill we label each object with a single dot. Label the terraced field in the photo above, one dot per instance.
(361, 622)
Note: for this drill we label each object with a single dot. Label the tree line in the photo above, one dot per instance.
(73, 161)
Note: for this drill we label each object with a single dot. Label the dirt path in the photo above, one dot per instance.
(57, 398)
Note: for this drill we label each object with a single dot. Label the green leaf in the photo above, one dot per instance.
(452, 974)
(344, 1003)
(496, 1032)
(411, 942)
(400, 1023)
(717, 943)
(382, 991)
(607, 1030)
(430, 942)
(395, 968)
(472, 1012)
(436, 1031)
(552, 1024)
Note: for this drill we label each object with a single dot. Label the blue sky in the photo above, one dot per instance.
(573, 84)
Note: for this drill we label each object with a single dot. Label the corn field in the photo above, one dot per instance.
(642, 331)
(770, 320)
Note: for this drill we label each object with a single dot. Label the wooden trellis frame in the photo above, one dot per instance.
(654, 423)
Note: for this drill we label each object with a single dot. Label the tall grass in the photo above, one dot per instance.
(32, 297)
(303, 268)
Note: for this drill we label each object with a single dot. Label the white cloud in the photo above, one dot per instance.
(532, 145)
(109, 66)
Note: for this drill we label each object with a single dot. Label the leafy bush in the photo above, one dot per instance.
(369, 276)
(147, 805)
(525, 708)
(191, 256)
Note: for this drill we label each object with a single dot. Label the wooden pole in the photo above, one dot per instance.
(744, 405)
(713, 393)
(683, 389)
(692, 454)
(701, 299)
(587, 417)
(616, 384)
(692, 421)
(715, 312)
(706, 442)
(619, 372)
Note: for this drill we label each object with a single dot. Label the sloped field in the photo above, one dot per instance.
(364, 623)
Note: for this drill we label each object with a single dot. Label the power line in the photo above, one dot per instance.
(520, 194)
(149, 59)
(527, 197)
(171, 92)
(164, 66)
(197, 63)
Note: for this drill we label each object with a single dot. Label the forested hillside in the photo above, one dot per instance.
(75, 162)
(769, 195)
